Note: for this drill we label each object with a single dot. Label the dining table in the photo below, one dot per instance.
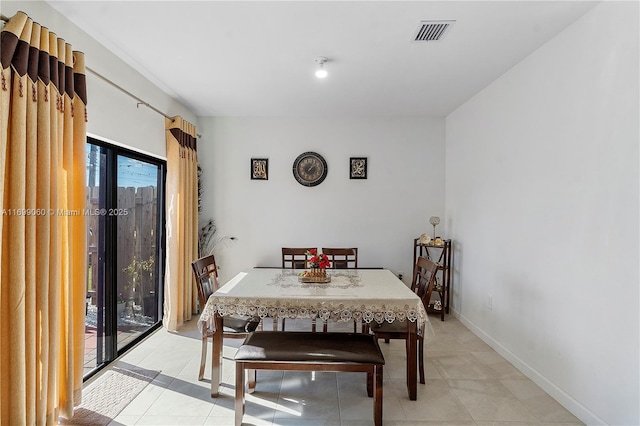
(361, 295)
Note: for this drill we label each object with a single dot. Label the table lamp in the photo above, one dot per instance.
(434, 220)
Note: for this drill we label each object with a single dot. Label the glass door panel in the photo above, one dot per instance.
(95, 307)
(137, 251)
(124, 212)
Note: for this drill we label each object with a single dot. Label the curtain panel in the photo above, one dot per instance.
(180, 295)
(43, 233)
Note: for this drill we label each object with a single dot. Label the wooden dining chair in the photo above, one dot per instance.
(205, 273)
(342, 258)
(294, 258)
(423, 281)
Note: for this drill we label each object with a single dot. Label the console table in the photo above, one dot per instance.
(441, 254)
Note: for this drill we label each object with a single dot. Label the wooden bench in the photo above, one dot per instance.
(303, 351)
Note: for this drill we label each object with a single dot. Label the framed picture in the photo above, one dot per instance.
(358, 168)
(260, 168)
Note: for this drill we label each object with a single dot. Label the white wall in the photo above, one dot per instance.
(381, 215)
(112, 115)
(542, 201)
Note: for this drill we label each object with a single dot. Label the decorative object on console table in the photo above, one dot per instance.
(260, 169)
(434, 220)
(358, 168)
(441, 254)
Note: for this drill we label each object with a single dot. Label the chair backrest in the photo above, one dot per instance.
(424, 279)
(342, 258)
(205, 272)
(295, 258)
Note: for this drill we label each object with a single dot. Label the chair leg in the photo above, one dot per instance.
(370, 383)
(365, 328)
(421, 359)
(362, 326)
(283, 320)
(239, 402)
(203, 356)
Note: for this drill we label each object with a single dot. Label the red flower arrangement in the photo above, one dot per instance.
(317, 260)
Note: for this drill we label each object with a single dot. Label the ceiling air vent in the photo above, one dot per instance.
(432, 30)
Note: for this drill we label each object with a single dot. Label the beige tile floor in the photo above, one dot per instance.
(467, 384)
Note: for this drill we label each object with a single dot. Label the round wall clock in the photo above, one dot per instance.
(310, 169)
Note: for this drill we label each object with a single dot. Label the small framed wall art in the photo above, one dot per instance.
(358, 168)
(260, 168)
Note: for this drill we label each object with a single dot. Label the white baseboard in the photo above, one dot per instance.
(577, 409)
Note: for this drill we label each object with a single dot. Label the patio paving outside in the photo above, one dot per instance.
(130, 326)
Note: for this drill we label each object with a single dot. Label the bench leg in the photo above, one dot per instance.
(377, 396)
(239, 402)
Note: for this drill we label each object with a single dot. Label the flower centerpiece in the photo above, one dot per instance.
(318, 262)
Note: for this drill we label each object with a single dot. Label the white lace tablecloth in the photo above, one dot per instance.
(360, 294)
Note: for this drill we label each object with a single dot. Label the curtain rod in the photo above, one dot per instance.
(123, 90)
(140, 101)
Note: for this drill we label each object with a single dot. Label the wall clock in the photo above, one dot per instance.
(310, 169)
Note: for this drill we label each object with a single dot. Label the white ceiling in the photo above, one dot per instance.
(241, 58)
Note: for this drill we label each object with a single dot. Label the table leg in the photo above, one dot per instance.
(216, 356)
(412, 359)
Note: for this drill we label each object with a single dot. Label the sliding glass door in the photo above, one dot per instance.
(125, 206)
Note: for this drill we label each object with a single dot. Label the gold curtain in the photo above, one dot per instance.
(180, 296)
(43, 247)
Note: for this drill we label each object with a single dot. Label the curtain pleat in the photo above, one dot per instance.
(180, 296)
(43, 235)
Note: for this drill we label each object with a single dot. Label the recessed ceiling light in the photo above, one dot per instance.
(321, 72)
